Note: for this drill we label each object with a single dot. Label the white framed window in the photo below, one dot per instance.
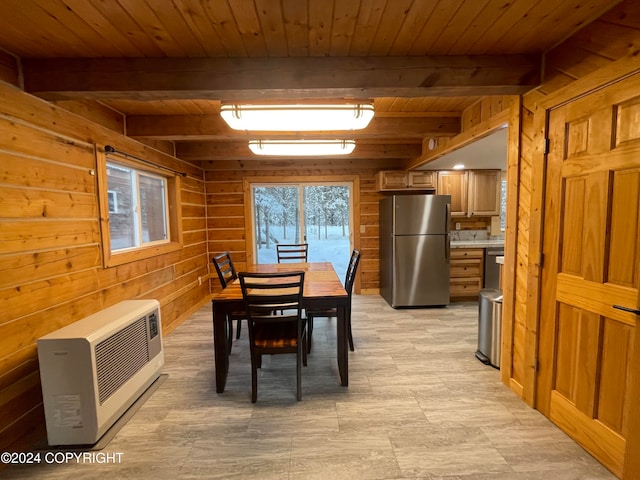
(141, 210)
(139, 214)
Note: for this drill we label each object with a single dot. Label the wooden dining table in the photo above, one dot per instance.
(322, 290)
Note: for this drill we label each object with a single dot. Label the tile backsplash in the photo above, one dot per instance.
(466, 235)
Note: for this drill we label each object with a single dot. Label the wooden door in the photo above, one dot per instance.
(586, 366)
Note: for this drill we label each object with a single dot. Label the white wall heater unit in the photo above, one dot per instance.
(93, 370)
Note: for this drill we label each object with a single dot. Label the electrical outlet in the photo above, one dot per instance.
(457, 225)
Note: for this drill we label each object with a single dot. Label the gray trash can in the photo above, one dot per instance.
(489, 327)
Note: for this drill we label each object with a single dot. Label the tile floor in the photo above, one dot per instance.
(418, 406)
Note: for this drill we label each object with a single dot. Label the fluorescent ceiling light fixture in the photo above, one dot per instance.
(297, 118)
(459, 166)
(317, 148)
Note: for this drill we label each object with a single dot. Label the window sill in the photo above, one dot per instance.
(117, 259)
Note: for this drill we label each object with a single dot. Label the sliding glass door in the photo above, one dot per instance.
(317, 214)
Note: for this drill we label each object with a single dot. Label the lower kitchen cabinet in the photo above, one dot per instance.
(466, 272)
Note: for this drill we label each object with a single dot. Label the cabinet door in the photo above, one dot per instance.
(484, 193)
(454, 183)
(422, 179)
(393, 180)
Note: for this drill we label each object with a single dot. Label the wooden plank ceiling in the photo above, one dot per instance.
(166, 65)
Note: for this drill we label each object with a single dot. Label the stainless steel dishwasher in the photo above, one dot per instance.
(491, 268)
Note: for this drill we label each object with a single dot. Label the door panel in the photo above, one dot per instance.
(617, 340)
(625, 228)
(592, 261)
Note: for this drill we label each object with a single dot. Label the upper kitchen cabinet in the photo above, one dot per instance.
(473, 192)
(484, 193)
(395, 180)
(454, 183)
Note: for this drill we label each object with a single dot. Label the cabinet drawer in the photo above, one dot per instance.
(466, 268)
(467, 253)
(465, 287)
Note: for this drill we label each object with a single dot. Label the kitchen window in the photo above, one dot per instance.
(140, 206)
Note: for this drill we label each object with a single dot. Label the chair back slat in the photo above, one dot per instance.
(264, 293)
(292, 252)
(225, 269)
(351, 271)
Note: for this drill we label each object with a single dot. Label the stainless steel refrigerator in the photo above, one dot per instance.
(414, 250)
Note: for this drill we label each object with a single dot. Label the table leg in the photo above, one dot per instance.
(343, 345)
(220, 347)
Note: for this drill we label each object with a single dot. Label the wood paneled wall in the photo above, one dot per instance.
(484, 109)
(95, 112)
(9, 69)
(608, 38)
(602, 51)
(514, 365)
(593, 49)
(51, 271)
(225, 208)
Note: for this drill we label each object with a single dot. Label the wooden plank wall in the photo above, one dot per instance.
(519, 188)
(51, 270)
(225, 207)
(597, 46)
(484, 109)
(9, 69)
(608, 38)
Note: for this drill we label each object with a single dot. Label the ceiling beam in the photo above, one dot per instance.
(191, 151)
(241, 79)
(213, 127)
(337, 165)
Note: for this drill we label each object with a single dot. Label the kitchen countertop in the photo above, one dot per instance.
(477, 243)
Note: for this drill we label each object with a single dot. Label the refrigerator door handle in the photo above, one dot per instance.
(447, 249)
(447, 221)
(447, 227)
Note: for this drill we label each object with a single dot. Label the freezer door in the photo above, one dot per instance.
(420, 270)
(421, 214)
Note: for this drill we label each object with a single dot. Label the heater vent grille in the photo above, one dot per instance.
(120, 356)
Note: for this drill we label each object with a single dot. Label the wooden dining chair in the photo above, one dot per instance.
(270, 332)
(227, 274)
(292, 252)
(350, 276)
